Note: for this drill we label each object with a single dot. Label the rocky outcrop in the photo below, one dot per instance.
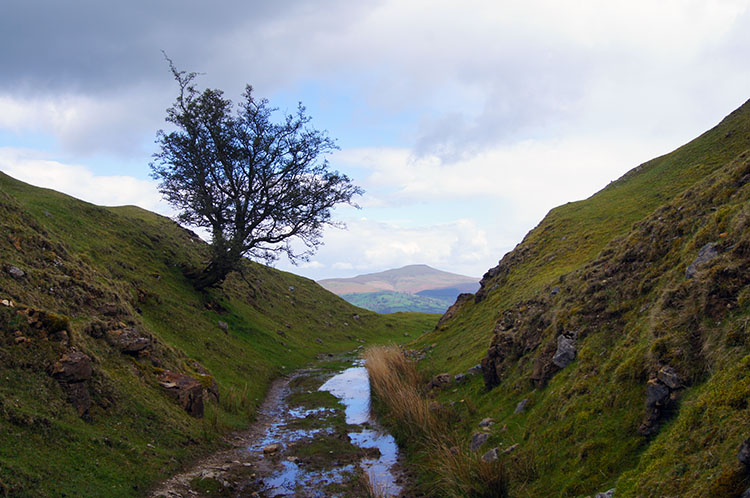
(439, 381)
(187, 391)
(478, 439)
(73, 371)
(743, 455)
(706, 254)
(127, 340)
(453, 309)
(660, 395)
(566, 350)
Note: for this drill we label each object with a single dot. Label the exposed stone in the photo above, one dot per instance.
(492, 364)
(566, 351)
(272, 448)
(319, 340)
(477, 440)
(491, 456)
(459, 378)
(669, 377)
(486, 422)
(439, 380)
(521, 406)
(72, 371)
(451, 311)
(475, 370)
(406, 334)
(72, 367)
(555, 290)
(223, 326)
(15, 272)
(607, 494)
(187, 391)
(7, 302)
(128, 340)
(746, 494)
(291, 288)
(657, 393)
(743, 455)
(20, 339)
(510, 448)
(706, 254)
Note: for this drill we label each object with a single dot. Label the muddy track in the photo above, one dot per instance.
(304, 443)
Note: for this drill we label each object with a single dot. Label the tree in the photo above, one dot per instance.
(255, 184)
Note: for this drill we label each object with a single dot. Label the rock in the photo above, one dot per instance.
(555, 290)
(319, 340)
(521, 406)
(187, 391)
(291, 288)
(607, 494)
(486, 422)
(706, 254)
(7, 302)
(223, 326)
(477, 440)
(281, 333)
(491, 456)
(459, 378)
(73, 371)
(566, 351)
(72, 367)
(439, 380)
(510, 448)
(475, 370)
(743, 455)
(128, 340)
(746, 494)
(669, 377)
(15, 272)
(272, 448)
(355, 317)
(657, 393)
(493, 363)
(406, 334)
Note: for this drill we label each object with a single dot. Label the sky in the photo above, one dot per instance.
(464, 122)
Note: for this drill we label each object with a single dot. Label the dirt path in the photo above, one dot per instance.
(304, 443)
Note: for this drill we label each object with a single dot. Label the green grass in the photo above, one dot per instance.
(618, 260)
(126, 265)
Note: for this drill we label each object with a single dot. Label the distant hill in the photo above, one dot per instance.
(411, 288)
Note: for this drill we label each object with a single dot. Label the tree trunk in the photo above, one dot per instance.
(213, 275)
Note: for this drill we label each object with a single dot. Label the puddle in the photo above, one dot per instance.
(353, 387)
(292, 472)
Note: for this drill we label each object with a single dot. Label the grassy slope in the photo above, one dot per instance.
(579, 434)
(389, 302)
(125, 265)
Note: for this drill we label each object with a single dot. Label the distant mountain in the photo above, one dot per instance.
(411, 288)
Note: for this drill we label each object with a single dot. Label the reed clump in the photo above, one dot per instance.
(398, 389)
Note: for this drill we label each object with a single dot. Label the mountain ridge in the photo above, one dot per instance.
(410, 279)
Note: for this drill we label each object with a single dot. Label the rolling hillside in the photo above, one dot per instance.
(614, 340)
(116, 372)
(411, 288)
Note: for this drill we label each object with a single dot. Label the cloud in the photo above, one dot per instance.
(78, 181)
(369, 246)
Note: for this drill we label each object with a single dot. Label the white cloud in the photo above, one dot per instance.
(80, 182)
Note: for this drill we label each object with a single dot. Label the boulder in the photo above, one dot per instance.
(521, 406)
(72, 367)
(491, 456)
(15, 272)
(657, 394)
(128, 340)
(566, 351)
(73, 371)
(187, 391)
(669, 377)
(486, 422)
(439, 380)
(743, 455)
(477, 440)
(706, 254)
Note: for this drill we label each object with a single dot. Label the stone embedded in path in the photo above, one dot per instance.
(272, 448)
(477, 440)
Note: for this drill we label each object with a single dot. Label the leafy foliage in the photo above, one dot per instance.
(253, 183)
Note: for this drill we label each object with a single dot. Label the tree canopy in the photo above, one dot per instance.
(253, 183)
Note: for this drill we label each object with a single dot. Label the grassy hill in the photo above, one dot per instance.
(633, 369)
(108, 283)
(410, 279)
(392, 302)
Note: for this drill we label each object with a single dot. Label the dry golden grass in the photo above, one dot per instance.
(397, 385)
